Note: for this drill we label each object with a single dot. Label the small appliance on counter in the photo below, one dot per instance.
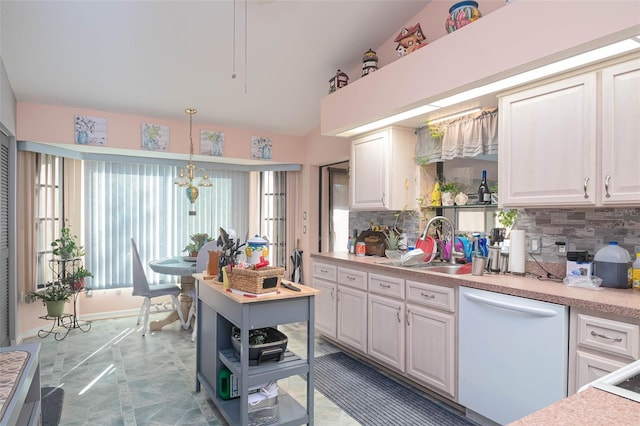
(579, 264)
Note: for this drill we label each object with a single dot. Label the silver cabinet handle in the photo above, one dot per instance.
(351, 277)
(398, 313)
(602, 336)
(606, 186)
(408, 313)
(384, 285)
(332, 294)
(428, 296)
(324, 271)
(586, 181)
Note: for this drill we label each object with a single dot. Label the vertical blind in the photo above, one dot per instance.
(274, 215)
(140, 201)
(5, 332)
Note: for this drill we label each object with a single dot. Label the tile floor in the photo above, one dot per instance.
(111, 375)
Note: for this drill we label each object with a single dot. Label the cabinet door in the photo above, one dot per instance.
(547, 145)
(620, 150)
(591, 367)
(326, 303)
(368, 172)
(386, 341)
(352, 318)
(431, 348)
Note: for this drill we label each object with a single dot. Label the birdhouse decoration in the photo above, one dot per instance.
(409, 40)
(338, 81)
(369, 62)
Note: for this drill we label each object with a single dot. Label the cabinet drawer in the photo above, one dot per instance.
(615, 337)
(324, 271)
(431, 295)
(352, 278)
(388, 286)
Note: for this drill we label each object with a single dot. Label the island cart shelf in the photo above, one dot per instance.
(218, 312)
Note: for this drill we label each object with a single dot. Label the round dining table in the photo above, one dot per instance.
(185, 267)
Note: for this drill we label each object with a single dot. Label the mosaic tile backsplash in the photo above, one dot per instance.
(580, 229)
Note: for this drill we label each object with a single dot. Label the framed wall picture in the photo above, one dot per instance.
(155, 137)
(211, 143)
(261, 148)
(90, 130)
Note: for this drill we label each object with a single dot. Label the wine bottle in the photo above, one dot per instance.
(484, 194)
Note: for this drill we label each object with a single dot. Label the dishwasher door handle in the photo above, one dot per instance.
(541, 312)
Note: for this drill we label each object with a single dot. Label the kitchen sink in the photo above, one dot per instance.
(449, 269)
(442, 268)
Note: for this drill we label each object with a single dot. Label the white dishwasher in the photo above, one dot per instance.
(512, 354)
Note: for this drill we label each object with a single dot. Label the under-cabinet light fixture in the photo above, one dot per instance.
(452, 116)
(585, 58)
(390, 120)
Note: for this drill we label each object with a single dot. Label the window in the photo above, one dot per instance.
(273, 210)
(140, 201)
(49, 211)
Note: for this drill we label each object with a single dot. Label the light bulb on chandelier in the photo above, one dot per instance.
(187, 175)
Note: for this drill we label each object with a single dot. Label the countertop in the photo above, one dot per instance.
(623, 302)
(586, 409)
(590, 407)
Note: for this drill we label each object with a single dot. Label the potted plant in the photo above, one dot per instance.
(392, 250)
(197, 241)
(507, 218)
(67, 246)
(53, 297)
(448, 190)
(76, 279)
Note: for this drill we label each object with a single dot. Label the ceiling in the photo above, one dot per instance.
(156, 58)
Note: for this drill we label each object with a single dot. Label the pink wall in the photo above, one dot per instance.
(55, 124)
(520, 36)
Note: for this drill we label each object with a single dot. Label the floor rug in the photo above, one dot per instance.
(373, 398)
(52, 399)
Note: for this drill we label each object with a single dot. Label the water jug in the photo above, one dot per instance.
(612, 264)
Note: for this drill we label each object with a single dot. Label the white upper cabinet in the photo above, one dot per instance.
(573, 142)
(547, 144)
(382, 170)
(620, 149)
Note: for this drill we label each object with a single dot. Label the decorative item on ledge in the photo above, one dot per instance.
(369, 62)
(461, 14)
(409, 40)
(338, 81)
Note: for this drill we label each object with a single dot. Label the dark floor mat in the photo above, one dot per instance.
(52, 399)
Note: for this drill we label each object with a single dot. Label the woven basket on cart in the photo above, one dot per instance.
(256, 281)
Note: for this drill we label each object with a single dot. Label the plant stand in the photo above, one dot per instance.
(60, 327)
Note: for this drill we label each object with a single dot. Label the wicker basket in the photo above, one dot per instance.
(253, 280)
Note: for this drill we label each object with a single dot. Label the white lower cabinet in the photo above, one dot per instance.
(326, 304)
(431, 348)
(352, 318)
(386, 331)
(431, 336)
(407, 326)
(599, 345)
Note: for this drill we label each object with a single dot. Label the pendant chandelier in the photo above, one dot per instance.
(187, 175)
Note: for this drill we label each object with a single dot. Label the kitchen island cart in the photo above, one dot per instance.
(219, 311)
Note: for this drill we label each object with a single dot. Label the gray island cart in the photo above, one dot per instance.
(217, 312)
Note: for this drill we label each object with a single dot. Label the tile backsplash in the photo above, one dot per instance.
(581, 229)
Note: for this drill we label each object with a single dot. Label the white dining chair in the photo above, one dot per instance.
(142, 288)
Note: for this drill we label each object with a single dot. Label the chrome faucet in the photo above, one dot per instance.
(453, 254)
